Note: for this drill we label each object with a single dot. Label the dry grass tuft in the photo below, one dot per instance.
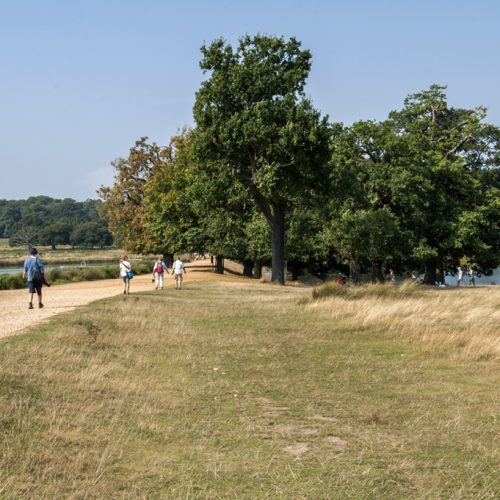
(372, 417)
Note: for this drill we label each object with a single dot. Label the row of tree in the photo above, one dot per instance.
(263, 177)
(41, 220)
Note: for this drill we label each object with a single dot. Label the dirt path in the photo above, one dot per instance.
(15, 315)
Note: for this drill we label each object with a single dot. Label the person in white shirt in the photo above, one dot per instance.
(125, 273)
(158, 269)
(177, 269)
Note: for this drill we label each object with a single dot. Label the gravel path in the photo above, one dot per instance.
(14, 303)
(15, 316)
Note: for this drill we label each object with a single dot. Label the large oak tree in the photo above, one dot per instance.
(252, 115)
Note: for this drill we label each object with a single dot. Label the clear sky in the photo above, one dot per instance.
(81, 80)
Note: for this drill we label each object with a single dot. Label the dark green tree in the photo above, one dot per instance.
(90, 234)
(452, 159)
(252, 116)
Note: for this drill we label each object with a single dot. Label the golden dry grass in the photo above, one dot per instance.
(236, 389)
(463, 323)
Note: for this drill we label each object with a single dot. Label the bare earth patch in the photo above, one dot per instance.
(296, 449)
(323, 419)
(338, 443)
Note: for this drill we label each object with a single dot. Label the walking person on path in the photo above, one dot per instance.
(177, 269)
(34, 270)
(158, 269)
(126, 273)
(460, 276)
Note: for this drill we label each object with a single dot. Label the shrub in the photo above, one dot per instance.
(12, 281)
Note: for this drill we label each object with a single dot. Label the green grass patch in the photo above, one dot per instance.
(238, 391)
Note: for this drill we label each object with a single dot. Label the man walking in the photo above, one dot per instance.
(177, 269)
(158, 269)
(34, 270)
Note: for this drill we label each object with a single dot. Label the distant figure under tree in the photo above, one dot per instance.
(472, 276)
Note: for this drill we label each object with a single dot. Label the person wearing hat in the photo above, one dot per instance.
(33, 269)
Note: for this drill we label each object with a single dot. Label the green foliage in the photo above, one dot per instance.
(12, 281)
(420, 187)
(124, 203)
(90, 235)
(263, 177)
(42, 220)
(253, 119)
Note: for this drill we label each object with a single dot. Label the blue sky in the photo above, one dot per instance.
(81, 80)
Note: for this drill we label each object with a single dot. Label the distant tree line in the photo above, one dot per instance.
(263, 178)
(41, 220)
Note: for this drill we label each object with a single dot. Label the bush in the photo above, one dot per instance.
(12, 281)
(142, 267)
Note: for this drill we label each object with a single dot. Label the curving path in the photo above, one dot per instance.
(15, 315)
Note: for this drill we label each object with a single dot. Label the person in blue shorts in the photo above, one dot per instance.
(34, 271)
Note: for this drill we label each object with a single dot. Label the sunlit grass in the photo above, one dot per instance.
(462, 323)
(243, 391)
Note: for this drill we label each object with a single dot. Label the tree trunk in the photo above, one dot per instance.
(219, 264)
(430, 272)
(278, 237)
(248, 268)
(168, 258)
(377, 276)
(275, 217)
(257, 269)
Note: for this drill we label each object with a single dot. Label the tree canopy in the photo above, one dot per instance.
(263, 177)
(41, 220)
(253, 118)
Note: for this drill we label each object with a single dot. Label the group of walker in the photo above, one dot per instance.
(34, 272)
(159, 269)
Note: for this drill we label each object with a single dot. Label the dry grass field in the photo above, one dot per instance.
(243, 390)
(462, 323)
